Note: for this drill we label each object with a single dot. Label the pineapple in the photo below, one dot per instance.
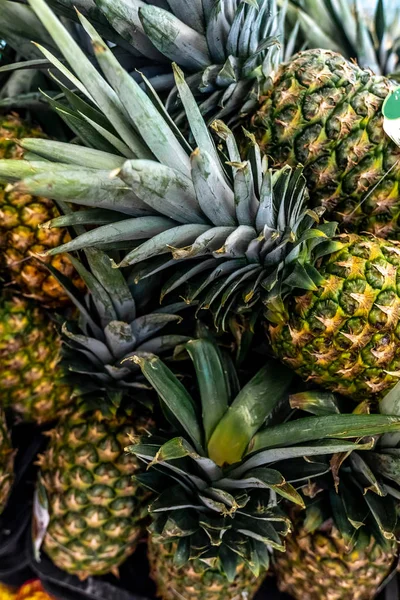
(7, 592)
(318, 563)
(241, 236)
(85, 487)
(344, 545)
(325, 112)
(93, 511)
(21, 239)
(32, 384)
(6, 462)
(216, 514)
(193, 580)
(32, 590)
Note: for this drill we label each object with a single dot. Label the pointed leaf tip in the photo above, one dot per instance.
(178, 73)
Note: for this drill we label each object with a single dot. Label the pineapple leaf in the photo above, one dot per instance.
(95, 85)
(155, 98)
(312, 428)
(139, 108)
(127, 229)
(174, 395)
(248, 412)
(229, 561)
(245, 196)
(212, 383)
(161, 243)
(341, 519)
(365, 475)
(357, 511)
(319, 447)
(72, 154)
(163, 343)
(92, 216)
(383, 463)
(164, 189)
(198, 127)
(101, 298)
(65, 71)
(214, 196)
(113, 282)
(77, 299)
(315, 402)
(263, 477)
(87, 187)
(124, 17)
(184, 274)
(384, 513)
(174, 39)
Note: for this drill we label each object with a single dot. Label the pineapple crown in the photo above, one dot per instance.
(109, 330)
(231, 229)
(217, 487)
(361, 491)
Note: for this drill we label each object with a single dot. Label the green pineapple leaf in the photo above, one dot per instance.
(212, 383)
(316, 402)
(248, 412)
(313, 428)
(174, 395)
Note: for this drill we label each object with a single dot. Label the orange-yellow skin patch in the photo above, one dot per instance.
(33, 590)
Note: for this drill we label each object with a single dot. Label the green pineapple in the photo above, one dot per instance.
(193, 580)
(32, 383)
(343, 546)
(239, 235)
(318, 563)
(21, 239)
(6, 462)
(216, 476)
(95, 511)
(325, 112)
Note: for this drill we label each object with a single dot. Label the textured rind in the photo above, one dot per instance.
(30, 353)
(7, 593)
(96, 509)
(21, 239)
(33, 590)
(346, 335)
(6, 462)
(324, 112)
(196, 581)
(318, 566)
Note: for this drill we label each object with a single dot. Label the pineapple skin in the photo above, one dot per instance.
(324, 112)
(96, 509)
(345, 336)
(20, 236)
(195, 580)
(30, 354)
(32, 590)
(319, 566)
(7, 592)
(6, 462)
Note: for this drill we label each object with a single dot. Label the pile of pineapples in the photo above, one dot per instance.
(200, 292)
